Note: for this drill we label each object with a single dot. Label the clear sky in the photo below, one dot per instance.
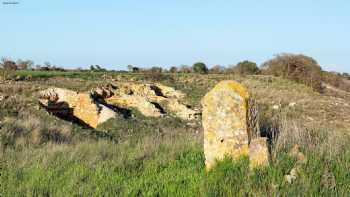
(172, 32)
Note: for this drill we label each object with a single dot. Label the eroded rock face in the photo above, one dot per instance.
(225, 122)
(153, 100)
(70, 104)
(93, 108)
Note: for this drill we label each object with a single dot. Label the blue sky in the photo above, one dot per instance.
(165, 33)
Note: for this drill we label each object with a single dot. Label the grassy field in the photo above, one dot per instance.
(42, 155)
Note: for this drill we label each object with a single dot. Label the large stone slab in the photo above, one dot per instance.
(225, 119)
(152, 100)
(80, 106)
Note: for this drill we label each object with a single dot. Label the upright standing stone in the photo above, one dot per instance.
(224, 116)
(227, 131)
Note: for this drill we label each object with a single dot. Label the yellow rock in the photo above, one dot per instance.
(170, 92)
(138, 102)
(85, 109)
(258, 152)
(152, 100)
(225, 122)
(72, 104)
(224, 118)
(180, 110)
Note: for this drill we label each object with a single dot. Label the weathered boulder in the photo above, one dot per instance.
(225, 122)
(170, 92)
(258, 152)
(93, 108)
(71, 104)
(153, 100)
(140, 103)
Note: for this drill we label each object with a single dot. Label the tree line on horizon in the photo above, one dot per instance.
(296, 67)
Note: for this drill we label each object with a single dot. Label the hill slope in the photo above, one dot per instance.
(44, 155)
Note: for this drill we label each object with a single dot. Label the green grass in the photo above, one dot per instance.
(41, 155)
(62, 173)
(49, 74)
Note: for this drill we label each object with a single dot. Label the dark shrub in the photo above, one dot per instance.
(8, 64)
(173, 69)
(346, 76)
(246, 68)
(7, 69)
(200, 67)
(335, 79)
(156, 69)
(217, 69)
(299, 68)
(185, 69)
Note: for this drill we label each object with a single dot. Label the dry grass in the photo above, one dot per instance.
(144, 156)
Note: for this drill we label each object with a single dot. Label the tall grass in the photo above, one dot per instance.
(42, 155)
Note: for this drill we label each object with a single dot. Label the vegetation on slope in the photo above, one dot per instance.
(42, 155)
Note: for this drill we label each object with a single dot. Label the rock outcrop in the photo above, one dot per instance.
(93, 108)
(226, 129)
(74, 105)
(152, 100)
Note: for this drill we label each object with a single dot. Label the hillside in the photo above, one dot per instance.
(135, 155)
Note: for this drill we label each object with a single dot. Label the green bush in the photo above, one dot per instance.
(200, 67)
(335, 79)
(246, 68)
(299, 68)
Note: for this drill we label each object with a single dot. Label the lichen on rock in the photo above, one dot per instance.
(225, 119)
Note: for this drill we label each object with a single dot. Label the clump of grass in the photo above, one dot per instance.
(138, 156)
(29, 129)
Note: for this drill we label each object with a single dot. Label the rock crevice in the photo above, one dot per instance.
(97, 106)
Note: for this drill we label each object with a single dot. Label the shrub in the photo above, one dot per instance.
(346, 76)
(133, 69)
(173, 69)
(217, 69)
(335, 79)
(7, 69)
(200, 67)
(185, 69)
(332, 78)
(246, 68)
(24, 64)
(96, 68)
(156, 69)
(299, 68)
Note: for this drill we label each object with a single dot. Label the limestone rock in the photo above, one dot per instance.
(276, 107)
(2, 98)
(258, 152)
(292, 176)
(153, 100)
(227, 132)
(70, 104)
(180, 110)
(301, 160)
(224, 118)
(292, 104)
(140, 103)
(170, 92)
